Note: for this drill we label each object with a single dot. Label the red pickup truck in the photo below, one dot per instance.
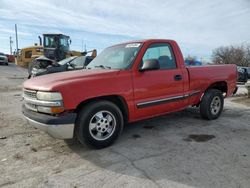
(127, 82)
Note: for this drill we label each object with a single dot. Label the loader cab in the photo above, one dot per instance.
(56, 46)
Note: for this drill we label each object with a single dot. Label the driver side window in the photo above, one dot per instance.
(161, 52)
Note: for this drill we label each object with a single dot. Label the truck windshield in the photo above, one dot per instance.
(50, 42)
(116, 57)
(64, 43)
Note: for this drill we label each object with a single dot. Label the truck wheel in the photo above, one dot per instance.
(99, 124)
(211, 104)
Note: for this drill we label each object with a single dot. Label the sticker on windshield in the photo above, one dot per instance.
(133, 45)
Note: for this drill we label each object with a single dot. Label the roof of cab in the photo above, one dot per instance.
(144, 41)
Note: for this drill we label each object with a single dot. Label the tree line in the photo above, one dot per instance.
(239, 55)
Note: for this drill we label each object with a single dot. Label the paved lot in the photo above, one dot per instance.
(176, 150)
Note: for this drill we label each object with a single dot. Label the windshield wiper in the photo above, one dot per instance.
(103, 67)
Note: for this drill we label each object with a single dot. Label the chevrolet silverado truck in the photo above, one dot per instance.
(127, 82)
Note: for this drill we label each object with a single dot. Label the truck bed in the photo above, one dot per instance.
(201, 77)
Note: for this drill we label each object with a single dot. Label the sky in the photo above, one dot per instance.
(199, 26)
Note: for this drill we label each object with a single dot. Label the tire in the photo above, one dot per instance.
(211, 104)
(99, 124)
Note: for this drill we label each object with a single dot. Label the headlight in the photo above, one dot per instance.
(45, 102)
(49, 96)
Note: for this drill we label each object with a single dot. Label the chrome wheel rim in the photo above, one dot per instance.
(102, 125)
(215, 105)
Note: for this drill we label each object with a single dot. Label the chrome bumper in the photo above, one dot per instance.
(60, 127)
(63, 131)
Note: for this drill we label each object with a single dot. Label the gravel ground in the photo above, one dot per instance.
(176, 150)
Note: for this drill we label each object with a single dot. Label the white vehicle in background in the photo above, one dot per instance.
(3, 59)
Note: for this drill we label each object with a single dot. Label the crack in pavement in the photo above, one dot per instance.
(144, 173)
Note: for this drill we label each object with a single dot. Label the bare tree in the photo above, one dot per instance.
(247, 56)
(239, 55)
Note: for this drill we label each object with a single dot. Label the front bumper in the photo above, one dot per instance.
(3, 62)
(61, 127)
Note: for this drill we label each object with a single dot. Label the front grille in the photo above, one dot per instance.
(31, 94)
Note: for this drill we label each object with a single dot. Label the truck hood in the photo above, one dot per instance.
(51, 82)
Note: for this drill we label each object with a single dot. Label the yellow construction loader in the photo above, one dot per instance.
(55, 48)
(28, 54)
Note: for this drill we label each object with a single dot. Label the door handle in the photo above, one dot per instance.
(177, 77)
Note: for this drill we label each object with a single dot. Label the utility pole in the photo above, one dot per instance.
(85, 48)
(82, 45)
(201, 60)
(11, 42)
(16, 39)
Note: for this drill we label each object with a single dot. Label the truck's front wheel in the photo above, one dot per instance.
(99, 124)
(211, 104)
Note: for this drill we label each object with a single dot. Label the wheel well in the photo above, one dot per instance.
(118, 100)
(222, 86)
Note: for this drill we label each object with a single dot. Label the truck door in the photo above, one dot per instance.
(158, 91)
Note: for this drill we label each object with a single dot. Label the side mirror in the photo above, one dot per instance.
(150, 64)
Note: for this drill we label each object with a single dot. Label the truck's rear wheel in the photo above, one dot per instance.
(211, 104)
(99, 124)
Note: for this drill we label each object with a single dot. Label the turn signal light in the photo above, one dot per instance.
(57, 109)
